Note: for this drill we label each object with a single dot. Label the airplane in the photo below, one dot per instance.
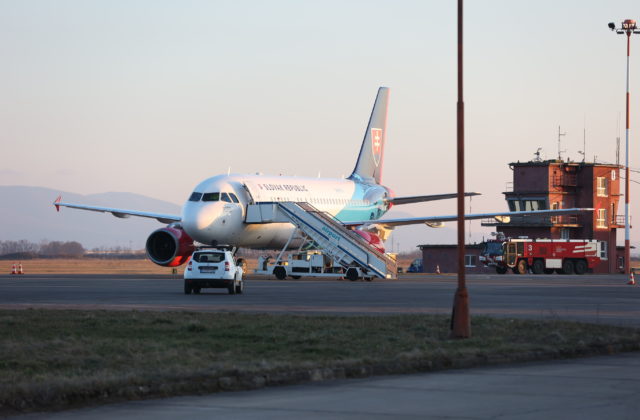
(215, 212)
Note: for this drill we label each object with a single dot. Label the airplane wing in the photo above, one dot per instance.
(121, 213)
(421, 198)
(436, 220)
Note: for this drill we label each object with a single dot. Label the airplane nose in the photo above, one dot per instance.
(197, 219)
(205, 217)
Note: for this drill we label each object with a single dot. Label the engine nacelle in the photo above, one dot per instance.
(169, 246)
(373, 239)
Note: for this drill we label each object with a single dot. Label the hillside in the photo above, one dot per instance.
(28, 213)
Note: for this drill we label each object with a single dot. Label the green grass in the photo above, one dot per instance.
(52, 359)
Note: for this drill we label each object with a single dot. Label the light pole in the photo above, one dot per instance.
(460, 321)
(628, 27)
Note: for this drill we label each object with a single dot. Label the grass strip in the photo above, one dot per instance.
(52, 359)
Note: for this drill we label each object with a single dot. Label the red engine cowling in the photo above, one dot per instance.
(373, 239)
(169, 246)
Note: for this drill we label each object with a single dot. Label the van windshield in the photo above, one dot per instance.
(209, 257)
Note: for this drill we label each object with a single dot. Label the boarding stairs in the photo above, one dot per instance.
(346, 247)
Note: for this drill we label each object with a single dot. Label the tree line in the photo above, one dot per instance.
(42, 249)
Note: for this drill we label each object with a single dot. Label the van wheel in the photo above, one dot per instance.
(522, 267)
(548, 271)
(242, 263)
(280, 273)
(501, 270)
(232, 289)
(538, 267)
(196, 290)
(581, 267)
(240, 287)
(187, 288)
(567, 267)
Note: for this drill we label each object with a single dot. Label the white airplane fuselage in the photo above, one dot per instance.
(211, 215)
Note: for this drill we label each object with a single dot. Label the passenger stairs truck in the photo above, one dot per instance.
(350, 254)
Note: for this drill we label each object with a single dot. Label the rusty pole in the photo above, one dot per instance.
(460, 321)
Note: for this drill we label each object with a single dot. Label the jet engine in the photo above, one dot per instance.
(373, 239)
(169, 246)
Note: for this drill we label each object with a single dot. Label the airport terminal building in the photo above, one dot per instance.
(556, 184)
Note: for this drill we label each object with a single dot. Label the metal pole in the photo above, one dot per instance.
(460, 321)
(627, 230)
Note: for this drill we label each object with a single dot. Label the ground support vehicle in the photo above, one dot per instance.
(416, 266)
(543, 255)
(313, 263)
(358, 252)
(215, 268)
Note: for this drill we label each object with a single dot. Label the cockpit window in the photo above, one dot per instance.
(225, 197)
(196, 196)
(211, 196)
(234, 198)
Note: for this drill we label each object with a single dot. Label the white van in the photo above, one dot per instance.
(214, 268)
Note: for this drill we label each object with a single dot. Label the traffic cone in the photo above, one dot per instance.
(632, 280)
(14, 270)
(437, 269)
(20, 270)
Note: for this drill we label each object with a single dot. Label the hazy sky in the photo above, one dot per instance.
(153, 96)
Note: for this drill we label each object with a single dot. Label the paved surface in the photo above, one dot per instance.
(594, 388)
(604, 387)
(592, 298)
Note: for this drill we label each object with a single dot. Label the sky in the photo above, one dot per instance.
(153, 96)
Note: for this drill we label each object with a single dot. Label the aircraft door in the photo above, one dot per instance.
(249, 195)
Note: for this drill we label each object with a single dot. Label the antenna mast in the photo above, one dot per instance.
(559, 149)
(538, 154)
(584, 139)
(618, 143)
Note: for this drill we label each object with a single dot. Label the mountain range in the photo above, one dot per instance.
(28, 213)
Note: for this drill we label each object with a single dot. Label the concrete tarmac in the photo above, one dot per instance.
(589, 298)
(592, 388)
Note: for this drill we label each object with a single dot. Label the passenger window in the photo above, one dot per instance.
(196, 196)
(234, 198)
(225, 197)
(211, 197)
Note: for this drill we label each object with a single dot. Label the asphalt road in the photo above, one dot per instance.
(591, 298)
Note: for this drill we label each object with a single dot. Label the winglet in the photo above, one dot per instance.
(55, 203)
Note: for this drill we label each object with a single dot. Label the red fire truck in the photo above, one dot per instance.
(543, 255)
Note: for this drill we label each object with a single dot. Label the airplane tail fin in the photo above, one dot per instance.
(369, 164)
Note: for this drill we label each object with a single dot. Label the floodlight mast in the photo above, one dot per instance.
(628, 27)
